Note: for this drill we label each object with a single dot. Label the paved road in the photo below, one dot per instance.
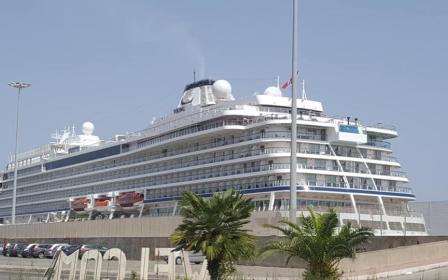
(12, 267)
(19, 276)
(434, 274)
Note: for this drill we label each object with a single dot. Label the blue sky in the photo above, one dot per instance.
(120, 63)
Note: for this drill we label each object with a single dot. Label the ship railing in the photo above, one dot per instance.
(395, 189)
(383, 126)
(207, 174)
(262, 135)
(393, 173)
(244, 122)
(343, 153)
(382, 188)
(389, 173)
(205, 111)
(388, 158)
(233, 172)
(355, 154)
(199, 116)
(31, 155)
(244, 138)
(258, 185)
(362, 209)
(229, 141)
(305, 208)
(316, 167)
(352, 170)
(335, 119)
(378, 143)
(160, 125)
(44, 152)
(36, 152)
(314, 151)
(341, 120)
(399, 211)
(301, 135)
(369, 209)
(398, 173)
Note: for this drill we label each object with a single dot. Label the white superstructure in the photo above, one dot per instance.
(210, 143)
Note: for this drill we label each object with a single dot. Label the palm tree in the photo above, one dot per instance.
(316, 240)
(214, 226)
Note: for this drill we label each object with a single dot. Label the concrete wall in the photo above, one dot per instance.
(144, 227)
(148, 227)
(131, 235)
(396, 258)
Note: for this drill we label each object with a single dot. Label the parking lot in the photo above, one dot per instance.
(34, 268)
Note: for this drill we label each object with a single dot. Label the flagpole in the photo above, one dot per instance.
(293, 165)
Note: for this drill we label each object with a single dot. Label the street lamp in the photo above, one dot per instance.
(19, 86)
(293, 168)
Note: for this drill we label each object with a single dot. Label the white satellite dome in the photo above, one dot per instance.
(273, 91)
(88, 128)
(222, 89)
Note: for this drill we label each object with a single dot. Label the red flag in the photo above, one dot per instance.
(287, 84)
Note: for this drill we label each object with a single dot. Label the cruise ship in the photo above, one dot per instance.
(210, 143)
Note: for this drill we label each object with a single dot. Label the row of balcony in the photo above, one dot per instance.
(243, 186)
(198, 174)
(319, 206)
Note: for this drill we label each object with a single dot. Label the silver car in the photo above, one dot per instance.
(195, 258)
(49, 253)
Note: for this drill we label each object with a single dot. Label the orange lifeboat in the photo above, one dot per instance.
(128, 199)
(101, 203)
(80, 204)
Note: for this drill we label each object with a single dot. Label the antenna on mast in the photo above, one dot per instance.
(194, 75)
(303, 90)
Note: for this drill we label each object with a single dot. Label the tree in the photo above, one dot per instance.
(316, 240)
(214, 226)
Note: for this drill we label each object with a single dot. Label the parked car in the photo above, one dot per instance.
(86, 247)
(195, 258)
(49, 253)
(70, 249)
(17, 250)
(28, 251)
(2, 247)
(39, 250)
(8, 249)
(5, 248)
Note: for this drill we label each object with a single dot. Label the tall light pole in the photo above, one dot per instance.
(293, 167)
(19, 86)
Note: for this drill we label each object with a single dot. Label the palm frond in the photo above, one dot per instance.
(314, 239)
(214, 225)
